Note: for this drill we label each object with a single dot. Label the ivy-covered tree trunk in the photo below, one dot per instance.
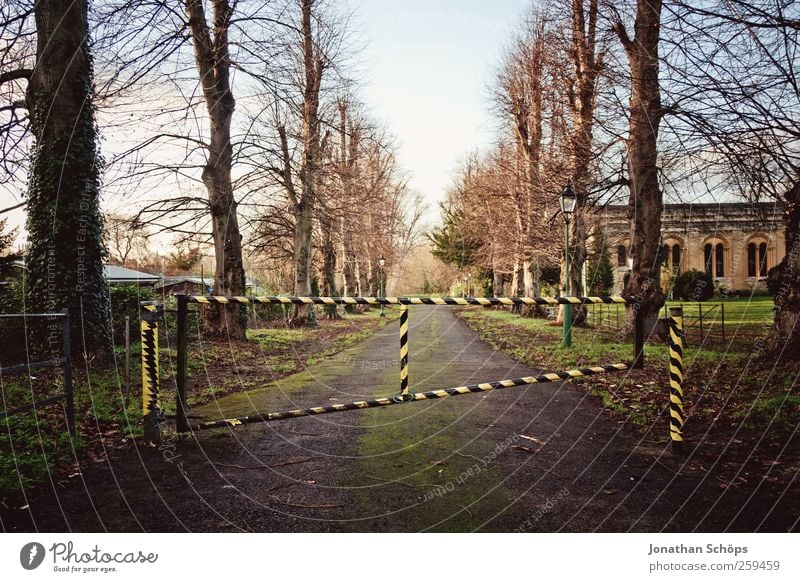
(784, 283)
(65, 257)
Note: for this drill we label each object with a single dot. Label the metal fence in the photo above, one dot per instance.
(62, 361)
(701, 321)
(606, 316)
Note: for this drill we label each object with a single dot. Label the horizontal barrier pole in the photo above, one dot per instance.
(38, 404)
(412, 397)
(32, 365)
(410, 300)
(18, 315)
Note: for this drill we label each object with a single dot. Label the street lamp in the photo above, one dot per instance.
(568, 200)
(469, 281)
(382, 263)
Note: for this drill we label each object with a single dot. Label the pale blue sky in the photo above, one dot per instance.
(429, 63)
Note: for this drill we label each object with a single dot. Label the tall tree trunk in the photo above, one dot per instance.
(361, 271)
(499, 283)
(528, 281)
(303, 238)
(349, 285)
(66, 251)
(587, 62)
(348, 156)
(518, 276)
(524, 93)
(212, 60)
(328, 264)
(645, 203)
(370, 253)
(313, 67)
(784, 283)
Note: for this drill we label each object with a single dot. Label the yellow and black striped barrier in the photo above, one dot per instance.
(412, 397)
(410, 300)
(404, 352)
(151, 412)
(676, 415)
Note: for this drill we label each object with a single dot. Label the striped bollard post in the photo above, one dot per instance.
(404, 352)
(151, 413)
(676, 415)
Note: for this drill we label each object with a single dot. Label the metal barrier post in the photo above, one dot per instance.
(638, 337)
(676, 416)
(151, 412)
(180, 411)
(700, 307)
(404, 351)
(69, 407)
(127, 360)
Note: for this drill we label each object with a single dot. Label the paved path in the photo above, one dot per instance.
(538, 458)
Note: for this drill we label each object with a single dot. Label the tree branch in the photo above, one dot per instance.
(10, 208)
(15, 75)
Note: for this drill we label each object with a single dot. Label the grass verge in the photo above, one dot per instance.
(730, 386)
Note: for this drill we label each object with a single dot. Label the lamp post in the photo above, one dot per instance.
(382, 262)
(469, 281)
(568, 200)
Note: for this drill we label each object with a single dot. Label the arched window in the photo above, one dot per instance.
(673, 249)
(715, 256)
(622, 256)
(757, 257)
(676, 258)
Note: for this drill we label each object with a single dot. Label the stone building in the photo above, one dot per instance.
(737, 243)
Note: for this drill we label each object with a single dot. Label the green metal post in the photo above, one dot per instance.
(567, 340)
(383, 314)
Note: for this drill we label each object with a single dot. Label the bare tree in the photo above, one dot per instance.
(368, 199)
(298, 83)
(587, 58)
(303, 205)
(520, 97)
(735, 107)
(645, 203)
(17, 59)
(126, 239)
(212, 59)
